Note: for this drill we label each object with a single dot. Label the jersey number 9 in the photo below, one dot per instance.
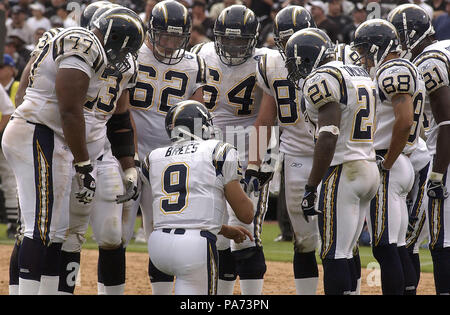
(174, 183)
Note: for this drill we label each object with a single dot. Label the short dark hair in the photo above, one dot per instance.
(199, 4)
(199, 28)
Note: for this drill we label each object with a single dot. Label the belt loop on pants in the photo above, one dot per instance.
(177, 231)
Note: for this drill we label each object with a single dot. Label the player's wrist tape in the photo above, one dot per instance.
(131, 174)
(331, 129)
(253, 167)
(436, 177)
(83, 163)
(137, 162)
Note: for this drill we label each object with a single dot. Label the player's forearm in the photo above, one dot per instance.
(323, 155)
(71, 88)
(263, 135)
(441, 112)
(400, 135)
(442, 157)
(4, 121)
(20, 94)
(263, 126)
(127, 162)
(74, 130)
(404, 114)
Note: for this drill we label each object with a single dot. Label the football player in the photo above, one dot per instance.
(399, 116)
(167, 74)
(48, 134)
(200, 173)
(281, 100)
(233, 97)
(108, 115)
(14, 260)
(340, 102)
(432, 59)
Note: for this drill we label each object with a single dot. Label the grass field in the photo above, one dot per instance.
(273, 251)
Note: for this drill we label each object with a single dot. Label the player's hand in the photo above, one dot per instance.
(309, 202)
(380, 161)
(265, 174)
(132, 185)
(251, 181)
(267, 168)
(86, 182)
(436, 190)
(237, 233)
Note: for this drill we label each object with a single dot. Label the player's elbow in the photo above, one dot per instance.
(246, 211)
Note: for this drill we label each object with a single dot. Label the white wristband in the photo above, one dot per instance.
(436, 177)
(131, 174)
(84, 163)
(253, 167)
(331, 129)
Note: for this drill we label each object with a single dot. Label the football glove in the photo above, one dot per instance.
(132, 186)
(86, 182)
(380, 161)
(435, 187)
(251, 181)
(309, 202)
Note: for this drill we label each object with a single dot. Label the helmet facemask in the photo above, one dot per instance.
(182, 128)
(234, 50)
(300, 67)
(370, 57)
(407, 40)
(281, 40)
(169, 46)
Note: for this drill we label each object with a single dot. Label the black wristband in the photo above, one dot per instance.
(309, 188)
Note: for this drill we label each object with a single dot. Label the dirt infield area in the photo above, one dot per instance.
(279, 279)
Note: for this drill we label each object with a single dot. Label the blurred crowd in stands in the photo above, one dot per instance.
(27, 20)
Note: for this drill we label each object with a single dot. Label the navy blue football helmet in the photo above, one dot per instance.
(375, 39)
(189, 120)
(169, 31)
(413, 25)
(289, 20)
(123, 33)
(305, 50)
(235, 34)
(91, 9)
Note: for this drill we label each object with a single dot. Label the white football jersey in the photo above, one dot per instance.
(99, 110)
(393, 77)
(352, 88)
(75, 48)
(45, 38)
(158, 87)
(271, 77)
(232, 96)
(434, 65)
(187, 181)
